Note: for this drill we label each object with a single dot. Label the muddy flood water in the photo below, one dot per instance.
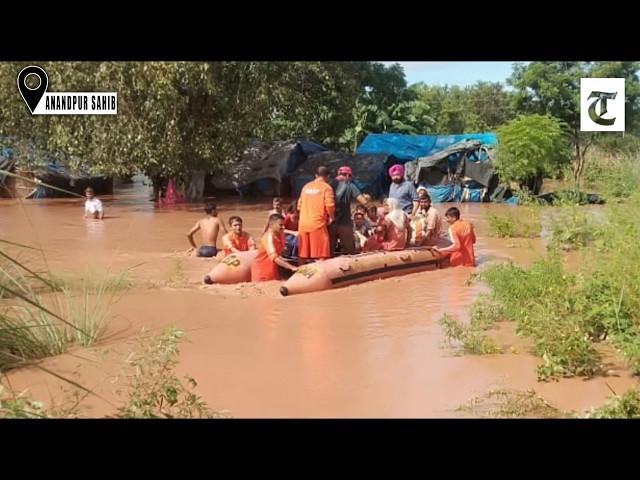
(370, 350)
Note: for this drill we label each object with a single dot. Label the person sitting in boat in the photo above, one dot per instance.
(377, 215)
(374, 218)
(276, 207)
(291, 230)
(426, 226)
(237, 240)
(463, 237)
(419, 226)
(364, 211)
(360, 230)
(423, 194)
(265, 266)
(384, 209)
(393, 231)
(376, 240)
(359, 208)
(398, 226)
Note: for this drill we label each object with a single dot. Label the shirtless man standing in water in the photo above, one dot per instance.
(210, 226)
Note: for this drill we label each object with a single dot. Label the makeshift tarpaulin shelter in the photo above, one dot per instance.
(264, 167)
(237, 173)
(369, 171)
(451, 167)
(56, 174)
(48, 170)
(461, 172)
(306, 172)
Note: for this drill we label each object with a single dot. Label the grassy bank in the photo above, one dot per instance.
(569, 314)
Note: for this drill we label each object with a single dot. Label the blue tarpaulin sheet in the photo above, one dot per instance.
(440, 193)
(412, 147)
(454, 193)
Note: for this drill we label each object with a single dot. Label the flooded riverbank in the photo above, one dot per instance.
(370, 350)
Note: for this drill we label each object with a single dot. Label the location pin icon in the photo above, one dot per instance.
(32, 96)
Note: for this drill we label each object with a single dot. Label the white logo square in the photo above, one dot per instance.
(602, 104)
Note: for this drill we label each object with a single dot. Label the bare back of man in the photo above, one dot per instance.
(209, 228)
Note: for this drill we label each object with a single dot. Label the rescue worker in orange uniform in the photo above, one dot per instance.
(265, 266)
(237, 240)
(463, 236)
(317, 208)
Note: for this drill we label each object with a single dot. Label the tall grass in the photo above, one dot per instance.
(29, 329)
(42, 317)
(613, 176)
(88, 305)
(93, 281)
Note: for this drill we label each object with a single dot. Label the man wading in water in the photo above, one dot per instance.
(92, 206)
(210, 226)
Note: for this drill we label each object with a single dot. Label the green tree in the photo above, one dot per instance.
(446, 107)
(531, 146)
(306, 99)
(480, 107)
(175, 118)
(385, 104)
(491, 103)
(553, 88)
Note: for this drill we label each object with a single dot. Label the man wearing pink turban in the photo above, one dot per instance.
(403, 190)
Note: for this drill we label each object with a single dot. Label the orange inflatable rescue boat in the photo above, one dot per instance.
(351, 269)
(234, 268)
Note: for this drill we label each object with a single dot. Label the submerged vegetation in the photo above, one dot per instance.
(150, 387)
(569, 312)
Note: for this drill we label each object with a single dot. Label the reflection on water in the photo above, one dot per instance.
(95, 228)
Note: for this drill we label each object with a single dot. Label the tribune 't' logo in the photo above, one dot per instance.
(602, 104)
